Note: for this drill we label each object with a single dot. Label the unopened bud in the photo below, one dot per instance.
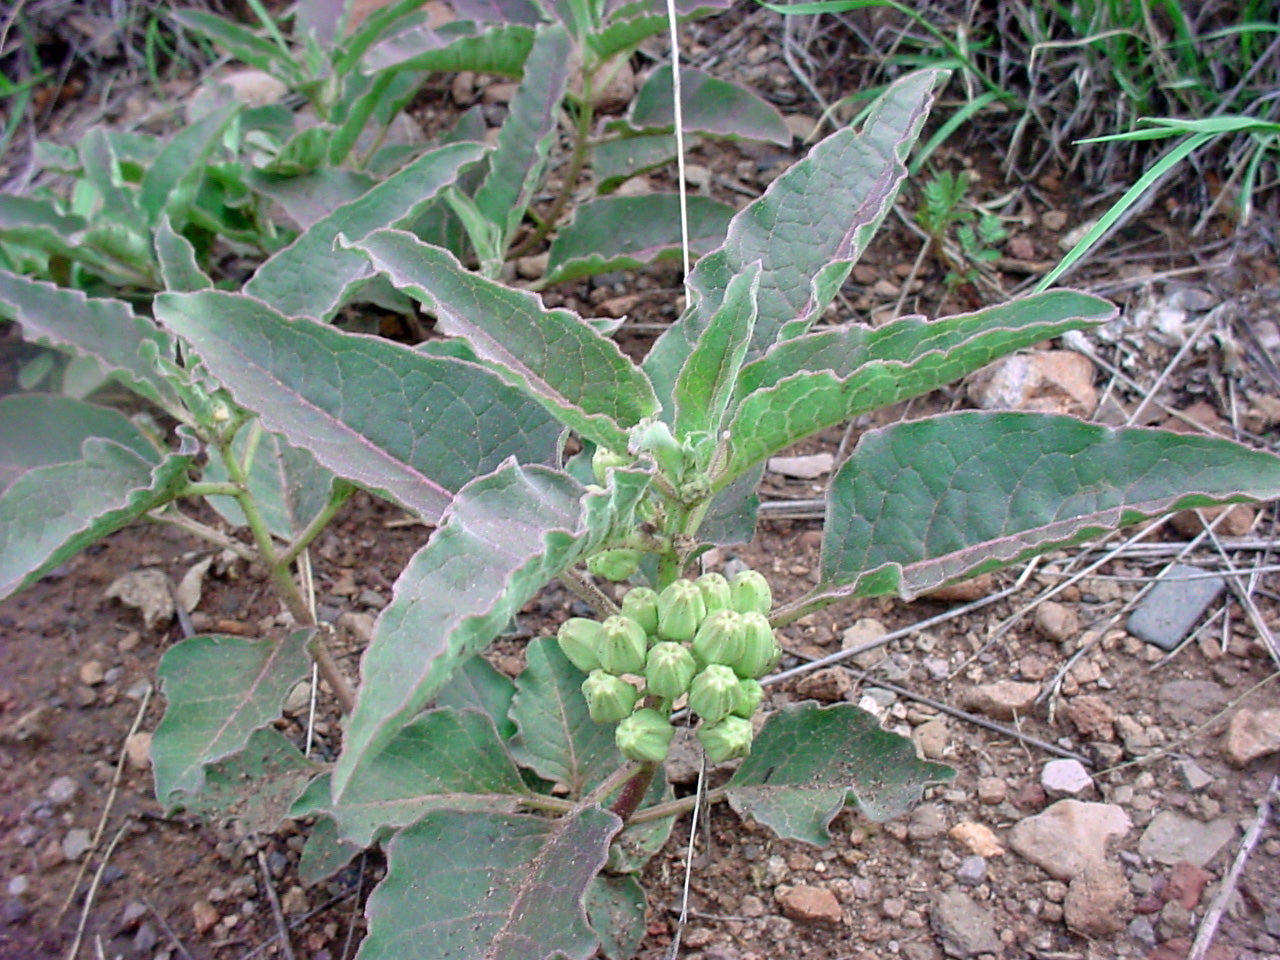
(654, 437)
(669, 670)
(714, 693)
(616, 564)
(680, 610)
(623, 645)
(641, 605)
(579, 640)
(751, 593)
(750, 695)
(719, 639)
(729, 738)
(715, 591)
(760, 650)
(605, 459)
(645, 736)
(609, 698)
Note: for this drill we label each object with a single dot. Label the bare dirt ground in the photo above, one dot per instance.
(87, 856)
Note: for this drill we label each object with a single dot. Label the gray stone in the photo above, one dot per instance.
(1166, 615)
(1191, 701)
(926, 822)
(1173, 836)
(1143, 930)
(972, 871)
(75, 843)
(1099, 901)
(1193, 775)
(1251, 734)
(62, 791)
(965, 927)
(1069, 836)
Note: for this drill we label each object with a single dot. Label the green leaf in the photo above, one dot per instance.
(255, 786)
(921, 504)
(615, 907)
(706, 381)
(812, 382)
(117, 203)
(714, 108)
(302, 153)
(313, 276)
(311, 197)
(476, 886)
(808, 761)
(556, 737)
(582, 377)
(591, 242)
(285, 481)
(179, 268)
(242, 43)
(808, 229)
(394, 420)
(39, 429)
(505, 536)
(125, 344)
(443, 760)
(172, 178)
(478, 685)
(460, 45)
(630, 24)
(615, 161)
(517, 165)
(325, 853)
(220, 690)
(51, 512)
(37, 223)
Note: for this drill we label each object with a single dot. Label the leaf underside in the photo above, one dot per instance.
(924, 503)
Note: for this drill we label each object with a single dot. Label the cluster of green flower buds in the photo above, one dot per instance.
(707, 639)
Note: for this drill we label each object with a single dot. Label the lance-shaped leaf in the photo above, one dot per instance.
(555, 356)
(517, 164)
(242, 43)
(37, 223)
(313, 276)
(286, 483)
(629, 24)
(170, 180)
(220, 690)
(714, 108)
(615, 161)
(498, 11)
(179, 268)
(706, 381)
(125, 344)
(461, 45)
(476, 886)
(313, 196)
(808, 228)
(89, 473)
(920, 504)
(808, 761)
(256, 786)
(556, 737)
(444, 760)
(505, 536)
(392, 419)
(591, 242)
(808, 383)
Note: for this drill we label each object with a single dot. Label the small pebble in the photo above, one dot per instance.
(972, 871)
(62, 791)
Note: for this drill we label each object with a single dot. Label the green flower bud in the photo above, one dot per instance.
(750, 694)
(644, 736)
(729, 738)
(615, 564)
(579, 640)
(669, 670)
(609, 698)
(622, 645)
(715, 591)
(714, 693)
(680, 610)
(641, 605)
(720, 638)
(760, 650)
(654, 437)
(604, 459)
(750, 592)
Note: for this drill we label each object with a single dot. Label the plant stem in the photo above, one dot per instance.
(588, 593)
(539, 801)
(342, 492)
(633, 792)
(673, 808)
(577, 160)
(216, 537)
(611, 783)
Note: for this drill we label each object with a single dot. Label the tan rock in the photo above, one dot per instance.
(137, 750)
(1251, 734)
(1001, 700)
(1057, 621)
(1099, 902)
(1040, 381)
(1092, 717)
(92, 672)
(966, 591)
(977, 838)
(829, 685)
(809, 904)
(205, 915)
(932, 738)
(1068, 837)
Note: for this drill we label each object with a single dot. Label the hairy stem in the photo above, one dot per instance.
(633, 792)
(673, 808)
(588, 593)
(219, 539)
